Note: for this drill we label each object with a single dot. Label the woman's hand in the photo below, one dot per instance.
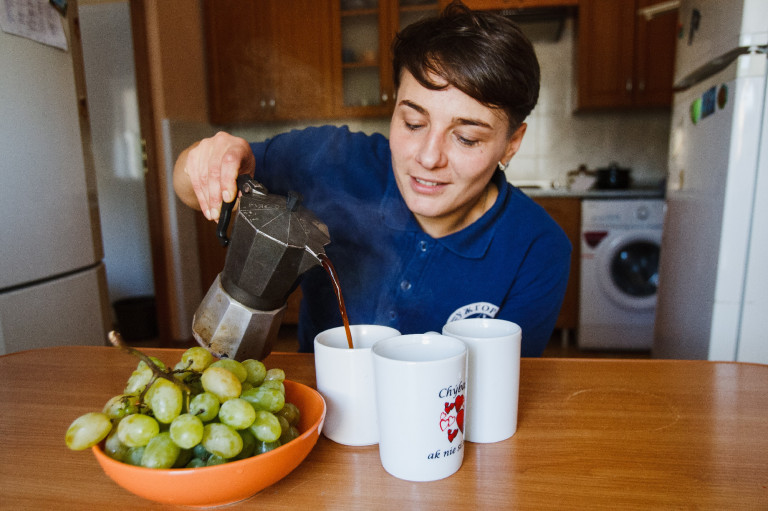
(205, 174)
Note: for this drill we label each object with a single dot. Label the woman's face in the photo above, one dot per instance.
(445, 148)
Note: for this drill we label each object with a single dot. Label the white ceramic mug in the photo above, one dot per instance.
(345, 379)
(493, 376)
(420, 383)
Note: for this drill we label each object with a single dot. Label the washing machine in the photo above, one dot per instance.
(620, 245)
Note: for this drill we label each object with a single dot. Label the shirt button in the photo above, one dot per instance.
(405, 285)
(423, 246)
(392, 315)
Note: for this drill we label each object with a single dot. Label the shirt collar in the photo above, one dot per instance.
(471, 242)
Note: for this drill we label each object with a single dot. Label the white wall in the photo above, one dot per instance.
(112, 103)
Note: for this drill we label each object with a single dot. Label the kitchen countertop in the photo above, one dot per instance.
(566, 193)
(607, 434)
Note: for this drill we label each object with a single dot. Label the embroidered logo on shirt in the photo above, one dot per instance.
(474, 310)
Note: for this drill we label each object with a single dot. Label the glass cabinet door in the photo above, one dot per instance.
(362, 22)
(367, 28)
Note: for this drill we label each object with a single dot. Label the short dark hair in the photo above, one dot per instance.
(483, 54)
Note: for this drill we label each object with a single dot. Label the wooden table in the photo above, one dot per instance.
(613, 434)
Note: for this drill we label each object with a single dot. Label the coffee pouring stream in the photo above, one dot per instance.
(274, 240)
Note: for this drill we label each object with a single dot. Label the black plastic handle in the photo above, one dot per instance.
(223, 225)
(226, 212)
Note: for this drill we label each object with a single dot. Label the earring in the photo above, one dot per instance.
(502, 167)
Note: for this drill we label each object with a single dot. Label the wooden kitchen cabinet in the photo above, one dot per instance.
(566, 212)
(624, 61)
(516, 4)
(362, 65)
(268, 60)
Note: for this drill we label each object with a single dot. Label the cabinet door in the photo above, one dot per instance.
(238, 39)
(655, 62)
(606, 53)
(268, 59)
(624, 60)
(516, 4)
(363, 60)
(567, 213)
(301, 58)
(361, 56)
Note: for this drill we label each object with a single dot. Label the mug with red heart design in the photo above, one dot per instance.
(420, 382)
(493, 358)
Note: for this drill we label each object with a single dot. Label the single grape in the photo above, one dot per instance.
(289, 435)
(237, 413)
(215, 460)
(233, 366)
(262, 447)
(221, 440)
(134, 456)
(121, 405)
(185, 456)
(165, 399)
(195, 463)
(88, 430)
(199, 451)
(249, 444)
(274, 384)
(160, 452)
(284, 425)
(114, 448)
(136, 430)
(256, 371)
(197, 359)
(204, 406)
(266, 427)
(291, 413)
(186, 430)
(264, 398)
(138, 380)
(275, 374)
(221, 382)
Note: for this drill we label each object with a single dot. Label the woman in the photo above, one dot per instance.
(424, 227)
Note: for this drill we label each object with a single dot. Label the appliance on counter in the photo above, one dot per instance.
(713, 282)
(52, 279)
(620, 245)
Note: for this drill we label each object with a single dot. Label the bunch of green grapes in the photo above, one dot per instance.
(203, 412)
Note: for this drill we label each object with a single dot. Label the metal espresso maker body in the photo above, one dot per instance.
(274, 240)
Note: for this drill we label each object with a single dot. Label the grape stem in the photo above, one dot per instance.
(117, 340)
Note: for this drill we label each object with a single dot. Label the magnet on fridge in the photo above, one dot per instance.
(708, 102)
(696, 110)
(722, 96)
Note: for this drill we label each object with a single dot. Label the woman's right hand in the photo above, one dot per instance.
(205, 174)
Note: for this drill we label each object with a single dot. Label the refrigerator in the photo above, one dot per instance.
(52, 278)
(712, 299)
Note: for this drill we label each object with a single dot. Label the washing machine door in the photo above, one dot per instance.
(628, 268)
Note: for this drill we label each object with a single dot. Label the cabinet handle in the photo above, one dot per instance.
(263, 104)
(641, 86)
(628, 85)
(272, 103)
(384, 97)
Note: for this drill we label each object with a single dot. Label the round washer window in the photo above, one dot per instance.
(635, 268)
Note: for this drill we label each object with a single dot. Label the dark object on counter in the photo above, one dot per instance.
(613, 177)
(136, 318)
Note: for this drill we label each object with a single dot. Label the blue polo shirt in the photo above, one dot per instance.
(512, 263)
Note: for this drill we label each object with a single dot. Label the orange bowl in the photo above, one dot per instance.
(231, 482)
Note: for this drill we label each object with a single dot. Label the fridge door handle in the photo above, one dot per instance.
(715, 66)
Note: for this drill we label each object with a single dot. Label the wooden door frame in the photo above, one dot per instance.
(153, 166)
